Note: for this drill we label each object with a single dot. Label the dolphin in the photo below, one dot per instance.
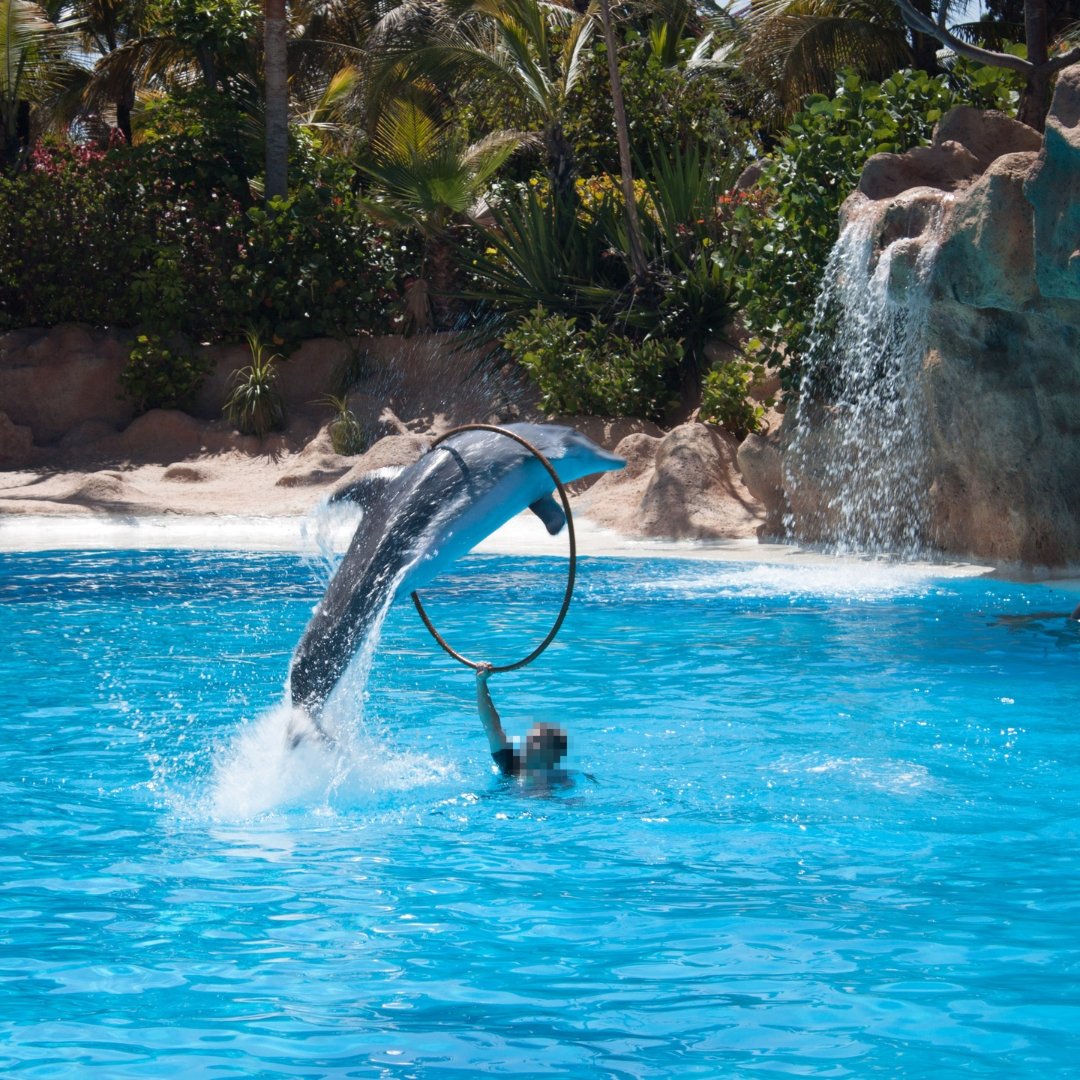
(418, 521)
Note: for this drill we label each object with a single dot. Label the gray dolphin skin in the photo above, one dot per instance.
(417, 522)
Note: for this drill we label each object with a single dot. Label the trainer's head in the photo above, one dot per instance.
(545, 746)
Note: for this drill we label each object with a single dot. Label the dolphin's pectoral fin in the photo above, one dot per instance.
(549, 512)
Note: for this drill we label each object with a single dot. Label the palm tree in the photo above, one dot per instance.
(533, 49)
(34, 66)
(635, 240)
(276, 79)
(428, 179)
(793, 48)
(103, 27)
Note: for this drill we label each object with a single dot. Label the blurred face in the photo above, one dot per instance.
(545, 746)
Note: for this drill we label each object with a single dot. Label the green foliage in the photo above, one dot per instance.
(65, 240)
(158, 376)
(134, 238)
(583, 273)
(346, 434)
(814, 168)
(255, 405)
(725, 397)
(311, 265)
(594, 371)
(531, 258)
(665, 105)
(686, 219)
(198, 141)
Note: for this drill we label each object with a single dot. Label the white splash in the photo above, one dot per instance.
(283, 761)
(261, 772)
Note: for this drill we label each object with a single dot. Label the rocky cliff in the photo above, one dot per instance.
(999, 377)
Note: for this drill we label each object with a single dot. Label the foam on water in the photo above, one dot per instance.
(259, 771)
(839, 580)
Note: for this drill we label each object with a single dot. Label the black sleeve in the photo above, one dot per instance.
(507, 760)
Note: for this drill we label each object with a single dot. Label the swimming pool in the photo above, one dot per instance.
(831, 827)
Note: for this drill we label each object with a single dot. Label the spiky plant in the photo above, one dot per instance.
(255, 404)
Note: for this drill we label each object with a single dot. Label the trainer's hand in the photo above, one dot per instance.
(483, 672)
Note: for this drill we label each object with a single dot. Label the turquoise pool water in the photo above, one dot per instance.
(832, 831)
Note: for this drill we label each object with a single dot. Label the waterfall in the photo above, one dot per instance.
(855, 465)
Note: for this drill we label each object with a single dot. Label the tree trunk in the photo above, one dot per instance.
(124, 104)
(561, 175)
(622, 132)
(276, 75)
(1035, 100)
(924, 48)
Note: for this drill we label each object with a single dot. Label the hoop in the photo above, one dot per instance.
(571, 574)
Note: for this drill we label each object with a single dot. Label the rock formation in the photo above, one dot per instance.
(1000, 376)
(80, 449)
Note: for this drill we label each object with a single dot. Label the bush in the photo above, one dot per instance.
(67, 229)
(311, 265)
(159, 377)
(725, 397)
(594, 371)
(117, 239)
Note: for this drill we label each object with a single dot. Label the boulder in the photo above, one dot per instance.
(16, 443)
(52, 380)
(760, 464)
(988, 257)
(694, 492)
(986, 135)
(944, 167)
(1053, 190)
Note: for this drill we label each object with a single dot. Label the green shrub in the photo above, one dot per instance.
(67, 226)
(158, 376)
(312, 265)
(132, 237)
(346, 435)
(255, 405)
(725, 397)
(594, 371)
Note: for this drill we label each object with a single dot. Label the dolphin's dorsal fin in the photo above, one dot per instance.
(368, 489)
(549, 512)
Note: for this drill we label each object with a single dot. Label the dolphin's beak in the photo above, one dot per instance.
(608, 462)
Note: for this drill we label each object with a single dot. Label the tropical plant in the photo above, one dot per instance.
(162, 375)
(34, 64)
(427, 178)
(255, 405)
(690, 244)
(529, 257)
(346, 434)
(670, 106)
(725, 397)
(532, 49)
(793, 48)
(595, 370)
